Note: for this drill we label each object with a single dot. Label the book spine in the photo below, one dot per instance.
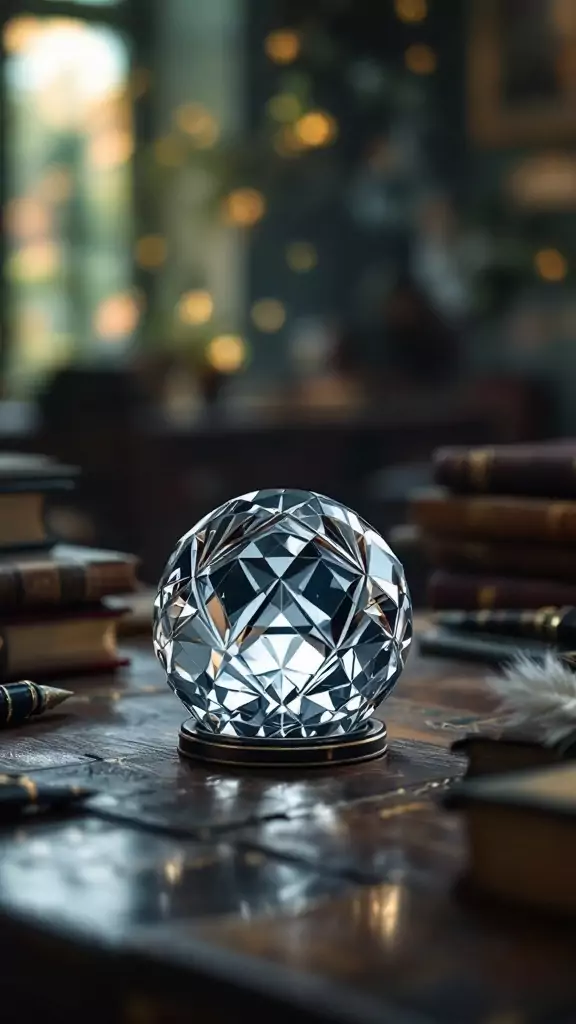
(43, 585)
(486, 518)
(487, 471)
(498, 559)
(448, 590)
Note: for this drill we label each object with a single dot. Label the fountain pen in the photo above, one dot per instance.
(20, 701)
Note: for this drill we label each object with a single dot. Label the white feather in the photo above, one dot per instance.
(538, 698)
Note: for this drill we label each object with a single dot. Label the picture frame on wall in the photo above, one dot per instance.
(522, 72)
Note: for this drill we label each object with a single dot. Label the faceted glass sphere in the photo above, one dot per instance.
(282, 614)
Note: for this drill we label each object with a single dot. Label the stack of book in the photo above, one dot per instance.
(499, 532)
(53, 616)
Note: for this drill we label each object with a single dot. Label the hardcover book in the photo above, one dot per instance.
(539, 470)
(56, 645)
(494, 517)
(467, 592)
(521, 832)
(25, 480)
(65, 575)
(497, 558)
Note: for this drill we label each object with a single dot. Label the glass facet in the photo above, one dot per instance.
(282, 614)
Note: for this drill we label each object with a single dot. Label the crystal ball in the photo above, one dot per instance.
(282, 614)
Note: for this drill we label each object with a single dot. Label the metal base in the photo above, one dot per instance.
(368, 742)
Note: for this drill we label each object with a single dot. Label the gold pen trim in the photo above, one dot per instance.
(9, 705)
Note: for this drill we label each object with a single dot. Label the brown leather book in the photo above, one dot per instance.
(499, 558)
(509, 752)
(26, 482)
(447, 590)
(64, 575)
(57, 645)
(494, 517)
(538, 470)
(521, 830)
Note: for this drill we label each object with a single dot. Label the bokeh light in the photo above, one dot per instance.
(316, 128)
(195, 120)
(195, 307)
(57, 185)
(35, 262)
(27, 217)
(150, 251)
(116, 316)
(411, 11)
(284, 107)
(244, 207)
(282, 46)
(111, 149)
(20, 33)
(226, 353)
(301, 257)
(550, 265)
(170, 151)
(421, 59)
(268, 315)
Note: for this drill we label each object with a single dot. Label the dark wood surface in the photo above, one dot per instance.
(182, 892)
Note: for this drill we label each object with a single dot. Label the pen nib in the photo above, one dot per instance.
(52, 696)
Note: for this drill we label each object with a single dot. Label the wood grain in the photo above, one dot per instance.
(329, 895)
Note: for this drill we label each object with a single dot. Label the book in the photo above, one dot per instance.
(57, 645)
(552, 624)
(545, 470)
(510, 751)
(495, 557)
(464, 591)
(25, 481)
(521, 832)
(494, 517)
(64, 575)
(485, 648)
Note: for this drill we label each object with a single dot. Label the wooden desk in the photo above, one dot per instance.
(188, 894)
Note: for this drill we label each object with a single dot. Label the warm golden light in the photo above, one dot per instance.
(268, 315)
(169, 151)
(411, 10)
(111, 149)
(174, 870)
(226, 353)
(301, 257)
(282, 46)
(116, 316)
(421, 59)
(196, 121)
(195, 307)
(57, 185)
(21, 33)
(284, 107)
(150, 251)
(27, 217)
(551, 265)
(316, 129)
(244, 207)
(35, 262)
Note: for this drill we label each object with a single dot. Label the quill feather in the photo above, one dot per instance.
(538, 698)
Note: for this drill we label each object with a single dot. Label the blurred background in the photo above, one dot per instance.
(299, 242)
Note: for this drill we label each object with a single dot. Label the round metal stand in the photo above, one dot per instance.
(368, 742)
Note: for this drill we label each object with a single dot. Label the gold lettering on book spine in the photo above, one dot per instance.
(479, 464)
(557, 513)
(486, 597)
